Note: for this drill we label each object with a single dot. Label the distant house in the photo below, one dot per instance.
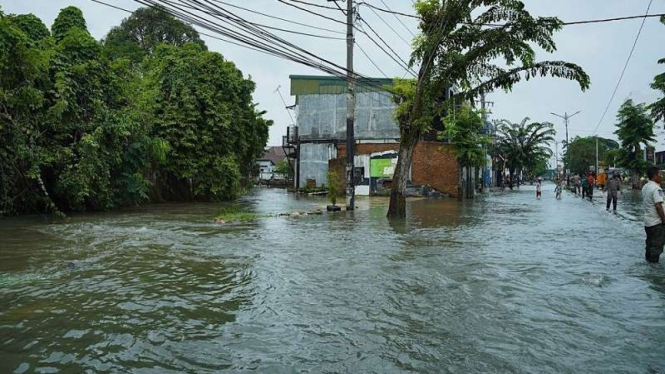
(268, 162)
(318, 139)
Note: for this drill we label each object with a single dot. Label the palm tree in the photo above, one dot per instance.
(635, 128)
(524, 145)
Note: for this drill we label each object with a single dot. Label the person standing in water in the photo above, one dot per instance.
(539, 191)
(654, 217)
(612, 187)
(585, 186)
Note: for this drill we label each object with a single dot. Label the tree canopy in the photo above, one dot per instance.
(459, 47)
(524, 146)
(634, 129)
(581, 153)
(658, 107)
(82, 131)
(139, 34)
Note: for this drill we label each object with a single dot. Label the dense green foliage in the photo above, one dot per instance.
(457, 49)
(524, 146)
(580, 154)
(463, 129)
(80, 131)
(141, 33)
(658, 108)
(634, 129)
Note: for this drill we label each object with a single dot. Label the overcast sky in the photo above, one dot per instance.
(601, 49)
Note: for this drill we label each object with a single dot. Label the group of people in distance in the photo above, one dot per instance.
(652, 198)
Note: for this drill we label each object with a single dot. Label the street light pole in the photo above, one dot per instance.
(566, 117)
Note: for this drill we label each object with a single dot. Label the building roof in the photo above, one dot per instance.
(322, 84)
(273, 154)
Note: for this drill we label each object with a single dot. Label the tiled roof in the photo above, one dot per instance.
(274, 154)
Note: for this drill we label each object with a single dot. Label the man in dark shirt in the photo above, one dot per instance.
(612, 187)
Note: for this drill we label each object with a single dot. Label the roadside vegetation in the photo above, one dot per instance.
(148, 114)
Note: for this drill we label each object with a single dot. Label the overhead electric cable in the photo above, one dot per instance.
(639, 32)
(283, 30)
(390, 27)
(293, 52)
(370, 60)
(311, 12)
(200, 32)
(394, 56)
(278, 18)
(397, 18)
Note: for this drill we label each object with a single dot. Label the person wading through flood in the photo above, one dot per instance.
(612, 187)
(654, 217)
(591, 182)
(585, 186)
(539, 191)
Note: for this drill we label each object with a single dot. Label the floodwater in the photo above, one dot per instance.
(502, 284)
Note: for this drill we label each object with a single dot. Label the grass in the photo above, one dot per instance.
(235, 214)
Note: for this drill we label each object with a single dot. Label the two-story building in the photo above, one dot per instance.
(319, 139)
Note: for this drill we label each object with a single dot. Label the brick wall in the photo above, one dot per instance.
(434, 163)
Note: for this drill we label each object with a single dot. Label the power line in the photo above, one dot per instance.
(314, 5)
(278, 18)
(370, 60)
(394, 54)
(639, 32)
(201, 33)
(259, 38)
(311, 12)
(603, 20)
(338, 7)
(397, 18)
(278, 28)
(390, 27)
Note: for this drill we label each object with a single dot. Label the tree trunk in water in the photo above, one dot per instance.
(397, 207)
(460, 181)
(512, 178)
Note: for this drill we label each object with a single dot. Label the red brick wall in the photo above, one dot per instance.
(434, 164)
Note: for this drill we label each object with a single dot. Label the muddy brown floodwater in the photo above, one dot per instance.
(503, 284)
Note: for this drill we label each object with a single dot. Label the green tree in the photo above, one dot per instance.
(634, 128)
(31, 25)
(202, 106)
(81, 132)
(525, 145)
(581, 153)
(658, 108)
(68, 19)
(139, 34)
(457, 48)
(24, 72)
(463, 128)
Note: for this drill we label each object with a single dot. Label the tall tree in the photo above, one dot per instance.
(461, 45)
(202, 106)
(463, 129)
(658, 108)
(139, 34)
(634, 128)
(68, 18)
(581, 153)
(524, 145)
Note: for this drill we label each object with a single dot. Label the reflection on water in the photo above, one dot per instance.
(503, 284)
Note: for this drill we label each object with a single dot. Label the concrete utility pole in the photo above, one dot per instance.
(596, 157)
(350, 108)
(566, 117)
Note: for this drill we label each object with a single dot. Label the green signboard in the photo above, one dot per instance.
(381, 167)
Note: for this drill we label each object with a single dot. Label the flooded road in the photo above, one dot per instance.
(503, 284)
